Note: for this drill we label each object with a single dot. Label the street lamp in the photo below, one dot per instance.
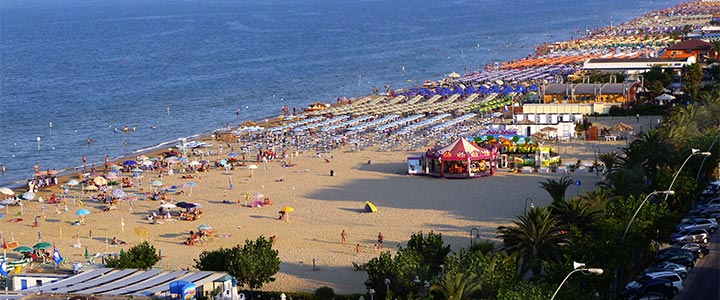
(372, 294)
(667, 193)
(387, 285)
(584, 270)
(532, 205)
(694, 152)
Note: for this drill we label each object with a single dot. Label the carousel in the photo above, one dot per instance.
(459, 159)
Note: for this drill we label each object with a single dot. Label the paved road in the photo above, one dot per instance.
(703, 282)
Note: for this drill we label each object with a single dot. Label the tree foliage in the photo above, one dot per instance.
(143, 256)
(535, 238)
(557, 188)
(423, 258)
(252, 264)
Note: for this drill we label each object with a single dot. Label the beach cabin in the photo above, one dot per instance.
(459, 159)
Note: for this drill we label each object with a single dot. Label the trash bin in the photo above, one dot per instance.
(332, 172)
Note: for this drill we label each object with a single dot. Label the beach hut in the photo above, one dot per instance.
(460, 159)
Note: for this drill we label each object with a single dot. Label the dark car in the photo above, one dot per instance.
(679, 257)
(653, 296)
(698, 250)
(662, 286)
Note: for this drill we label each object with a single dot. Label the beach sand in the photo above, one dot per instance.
(309, 242)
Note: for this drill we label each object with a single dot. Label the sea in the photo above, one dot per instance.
(75, 70)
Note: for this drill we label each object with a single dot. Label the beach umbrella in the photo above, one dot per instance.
(87, 254)
(28, 196)
(1, 215)
(168, 205)
(191, 184)
(204, 227)
(197, 205)
(130, 162)
(194, 163)
(23, 249)
(183, 159)
(100, 180)
(82, 212)
(118, 193)
(115, 167)
(156, 183)
(252, 169)
(91, 188)
(72, 182)
(233, 154)
(6, 191)
(111, 176)
(137, 170)
(287, 209)
(42, 245)
(147, 163)
(171, 159)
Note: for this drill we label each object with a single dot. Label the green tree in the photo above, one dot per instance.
(656, 74)
(422, 258)
(457, 286)
(534, 239)
(693, 76)
(574, 214)
(715, 47)
(252, 264)
(556, 188)
(143, 256)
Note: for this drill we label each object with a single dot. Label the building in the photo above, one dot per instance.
(121, 282)
(590, 93)
(633, 66)
(696, 48)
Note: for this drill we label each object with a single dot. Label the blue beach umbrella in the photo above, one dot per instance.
(82, 212)
(129, 163)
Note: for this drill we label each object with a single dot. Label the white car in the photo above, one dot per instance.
(668, 266)
(669, 275)
(701, 223)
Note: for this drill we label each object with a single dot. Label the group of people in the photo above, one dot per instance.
(379, 245)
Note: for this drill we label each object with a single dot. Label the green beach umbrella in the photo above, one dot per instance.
(42, 245)
(23, 249)
(87, 255)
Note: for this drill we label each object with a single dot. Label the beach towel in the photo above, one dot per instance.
(15, 220)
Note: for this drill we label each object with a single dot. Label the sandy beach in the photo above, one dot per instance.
(324, 206)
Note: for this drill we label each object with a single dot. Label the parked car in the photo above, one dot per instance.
(653, 296)
(668, 266)
(700, 251)
(700, 207)
(677, 282)
(708, 213)
(691, 235)
(679, 257)
(638, 289)
(698, 223)
(712, 189)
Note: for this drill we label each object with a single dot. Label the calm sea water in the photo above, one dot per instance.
(88, 67)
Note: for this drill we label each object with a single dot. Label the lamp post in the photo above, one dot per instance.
(417, 283)
(372, 294)
(532, 205)
(586, 271)
(702, 163)
(667, 193)
(387, 285)
(694, 152)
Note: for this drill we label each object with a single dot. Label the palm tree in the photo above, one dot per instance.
(630, 180)
(715, 47)
(611, 160)
(534, 238)
(557, 189)
(575, 212)
(457, 286)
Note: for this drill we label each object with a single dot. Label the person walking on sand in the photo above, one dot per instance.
(343, 235)
(381, 238)
(357, 248)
